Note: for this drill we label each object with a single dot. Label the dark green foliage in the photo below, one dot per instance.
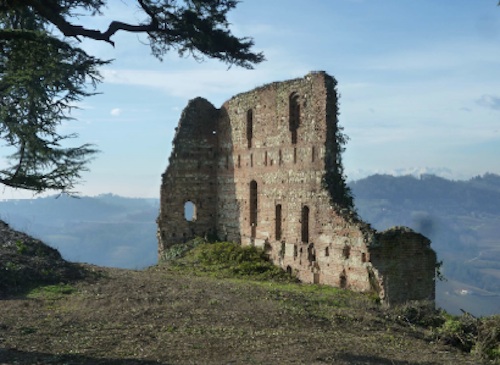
(480, 336)
(460, 332)
(43, 76)
(488, 339)
(192, 27)
(420, 313)
(181, 249)
(335, 180)
(226, 259)
(41, 79)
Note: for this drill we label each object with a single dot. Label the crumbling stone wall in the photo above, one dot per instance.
(265, 170)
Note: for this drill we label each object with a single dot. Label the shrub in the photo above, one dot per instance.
(226, 259)
(488, 339)
(419, 313)
(459, 332)
(179, 250)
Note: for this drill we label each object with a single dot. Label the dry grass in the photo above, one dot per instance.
(166, 316)
(194, 311)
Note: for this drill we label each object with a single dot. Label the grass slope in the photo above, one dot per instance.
(213, 304)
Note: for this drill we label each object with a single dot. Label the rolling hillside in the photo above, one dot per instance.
(106, 230)
(462, 218)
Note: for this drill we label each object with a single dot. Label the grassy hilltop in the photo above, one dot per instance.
(216, 304)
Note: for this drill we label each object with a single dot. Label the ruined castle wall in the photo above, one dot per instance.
(406, 265)
(190, 177)
(293, 216)
(264, 170)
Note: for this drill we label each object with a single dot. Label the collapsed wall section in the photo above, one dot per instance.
(405, 263)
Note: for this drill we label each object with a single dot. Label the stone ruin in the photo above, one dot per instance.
(265, 170)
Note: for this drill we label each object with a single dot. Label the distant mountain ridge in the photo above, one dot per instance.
(443, 172)
(462, 219)
(479, 194)
(106, 230)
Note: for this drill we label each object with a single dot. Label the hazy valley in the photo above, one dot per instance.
(462, 218)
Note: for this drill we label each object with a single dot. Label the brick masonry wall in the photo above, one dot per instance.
(190, 177)
(405, 263)
(262, 170)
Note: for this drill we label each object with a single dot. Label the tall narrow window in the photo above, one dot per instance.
(305, 223)
(278, 222)
(249, 127)
(294, 115)
(253, 203)
(190, 211)
(280, 158)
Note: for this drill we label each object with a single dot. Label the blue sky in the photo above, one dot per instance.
(419, 83)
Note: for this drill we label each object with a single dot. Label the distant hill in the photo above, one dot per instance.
(462, 218)
(106, 230)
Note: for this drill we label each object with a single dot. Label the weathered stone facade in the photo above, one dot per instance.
(264, 170)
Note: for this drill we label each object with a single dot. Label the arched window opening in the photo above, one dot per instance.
(363, 257)
(305, 224)
(253, 203)
(251, 160)
(239, 161)
(249, 127)
(278, 222)
(265, 158)
(313, 154)
(280, 158)
(190, 211)
(327, 251)
(289, 270)
(294, 115)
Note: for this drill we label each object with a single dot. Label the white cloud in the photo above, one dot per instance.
(215, 84)
(115, 112)
(489, 101)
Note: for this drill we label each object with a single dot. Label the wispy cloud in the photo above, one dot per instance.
(217, 85)
(489, 101)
